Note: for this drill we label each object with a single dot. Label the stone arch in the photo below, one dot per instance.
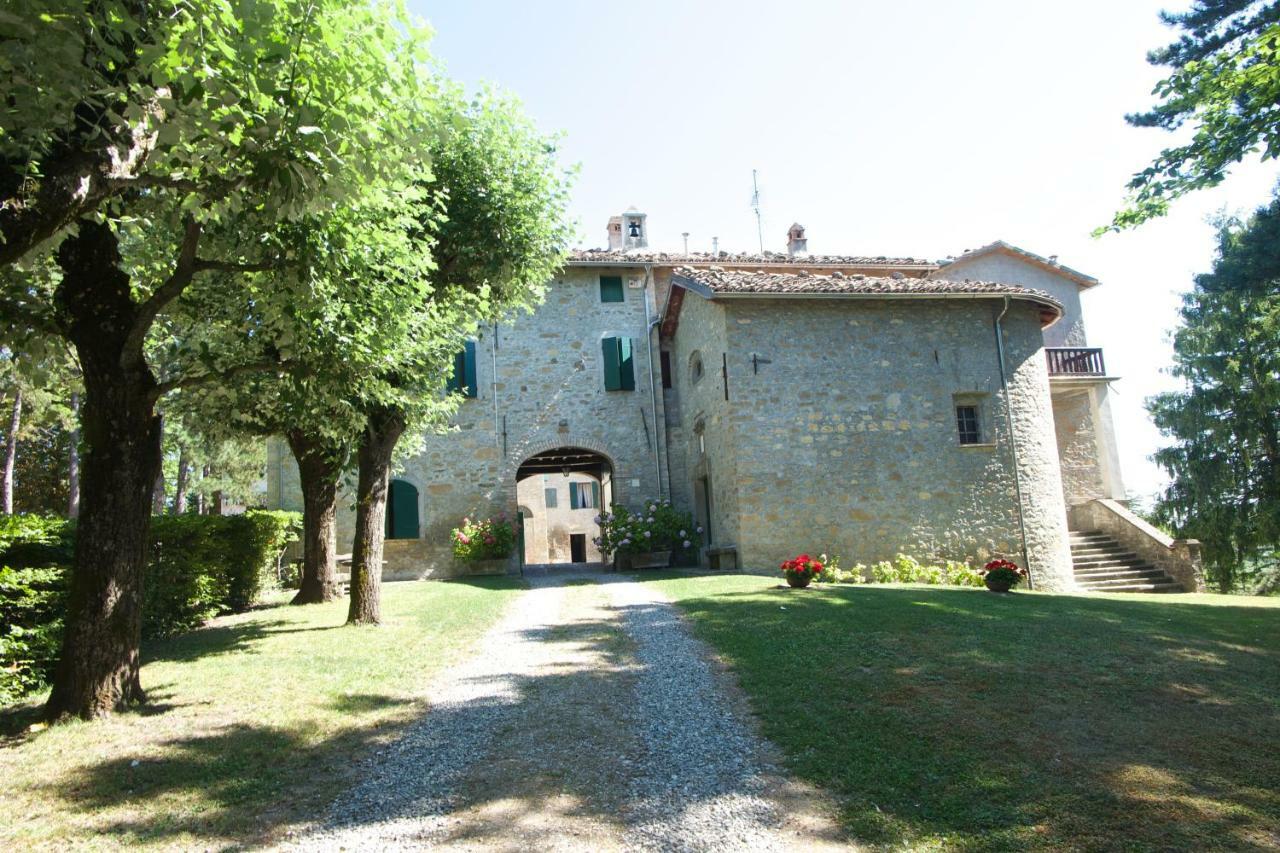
(566, 483)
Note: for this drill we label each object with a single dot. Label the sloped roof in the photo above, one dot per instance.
(715, 282)
(1030, 257)
(594, 257)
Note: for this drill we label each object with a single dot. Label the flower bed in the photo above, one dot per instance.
(484, 539)
(659, 527)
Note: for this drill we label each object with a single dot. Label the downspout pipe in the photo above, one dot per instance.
(649, 324)
(1013, 443)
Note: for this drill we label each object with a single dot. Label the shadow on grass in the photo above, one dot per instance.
(524, 755)
(1017, 721)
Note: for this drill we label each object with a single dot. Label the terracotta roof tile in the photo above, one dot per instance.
(716, 280)
(586, 257)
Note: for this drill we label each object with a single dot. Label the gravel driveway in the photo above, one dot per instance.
(587, 719)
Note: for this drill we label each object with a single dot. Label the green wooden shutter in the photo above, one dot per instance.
(611, 288)
(595, 494)
(619, 366)
(574, 503)
(459, 370)
(626, 365)
(612, 377)
(402, 511)
(469, 369)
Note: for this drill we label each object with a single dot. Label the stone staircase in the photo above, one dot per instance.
(1102, 564)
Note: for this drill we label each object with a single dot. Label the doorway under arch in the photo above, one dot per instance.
(566, 488)
(402, 510)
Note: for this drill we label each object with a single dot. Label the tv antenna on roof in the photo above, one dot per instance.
(755, 203)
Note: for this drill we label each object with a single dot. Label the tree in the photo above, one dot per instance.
(159, 144)
(502, 235)
(1225, 423)
(1224, 83)
(366, 315)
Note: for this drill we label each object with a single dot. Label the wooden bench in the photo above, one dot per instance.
(723, 558)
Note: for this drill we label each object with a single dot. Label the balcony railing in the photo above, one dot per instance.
(1075, 361)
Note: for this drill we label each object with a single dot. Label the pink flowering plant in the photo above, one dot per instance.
(484, 538)
(657, 526)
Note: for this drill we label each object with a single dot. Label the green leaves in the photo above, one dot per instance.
(1225, 422)
(1225, 84)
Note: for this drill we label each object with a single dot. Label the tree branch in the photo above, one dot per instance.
(172, 288)
(226, 266)
(264, 366)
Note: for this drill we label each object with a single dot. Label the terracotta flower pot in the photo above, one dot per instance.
(997, 584)
(796, 580)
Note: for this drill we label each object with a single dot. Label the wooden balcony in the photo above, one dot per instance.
(1075, 361)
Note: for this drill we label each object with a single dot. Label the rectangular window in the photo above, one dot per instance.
(619, 369)
(584, 495)
(611, 288)
(968, 425)
(463, 379)
(665, 363)
(550, 497)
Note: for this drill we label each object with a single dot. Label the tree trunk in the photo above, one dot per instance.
(97, 671)
(202, 500)
(318, 472)
(11, 452)
(374, 457)
(218, 503)
(180, 486)
(157, 492)
(73, 461)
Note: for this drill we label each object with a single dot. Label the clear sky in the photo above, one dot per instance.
(890, 128)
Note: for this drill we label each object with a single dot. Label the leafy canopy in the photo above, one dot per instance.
(1224, 86)
(1225, 422)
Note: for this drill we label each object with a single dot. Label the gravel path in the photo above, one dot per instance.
(588, 718)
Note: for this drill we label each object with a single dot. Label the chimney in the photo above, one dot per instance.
(615, 233)
(797, 244)
(715, 246)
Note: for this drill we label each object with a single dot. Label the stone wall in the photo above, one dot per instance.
(547, 530)
(1078, 451)
(845, 441)
(705, 432)
(997, 266)
(540, 377)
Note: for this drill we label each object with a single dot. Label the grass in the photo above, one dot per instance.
(958, 719)
(251, 729)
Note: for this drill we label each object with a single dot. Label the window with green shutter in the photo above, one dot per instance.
(463, 379)
(619, 367)
(611, 288)
(584, 495)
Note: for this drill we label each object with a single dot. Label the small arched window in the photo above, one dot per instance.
(695, 367)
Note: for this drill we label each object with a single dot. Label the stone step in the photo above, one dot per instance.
(1122, 580)
(1163, 586)
(1087, 534)
(1102, 574)
(1094, 550)
(1102, 562)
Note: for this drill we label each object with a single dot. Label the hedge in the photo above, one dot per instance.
(200, 566)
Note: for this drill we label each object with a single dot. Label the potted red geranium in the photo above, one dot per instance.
(801, 570)
(1002, 575)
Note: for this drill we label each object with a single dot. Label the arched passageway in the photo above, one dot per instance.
(561, 492)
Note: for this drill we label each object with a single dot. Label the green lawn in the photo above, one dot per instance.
(251, 727)
(961, 719)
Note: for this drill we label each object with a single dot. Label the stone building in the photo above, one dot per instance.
(864, 406)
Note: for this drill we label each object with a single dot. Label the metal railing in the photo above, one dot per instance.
(1075, 361)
